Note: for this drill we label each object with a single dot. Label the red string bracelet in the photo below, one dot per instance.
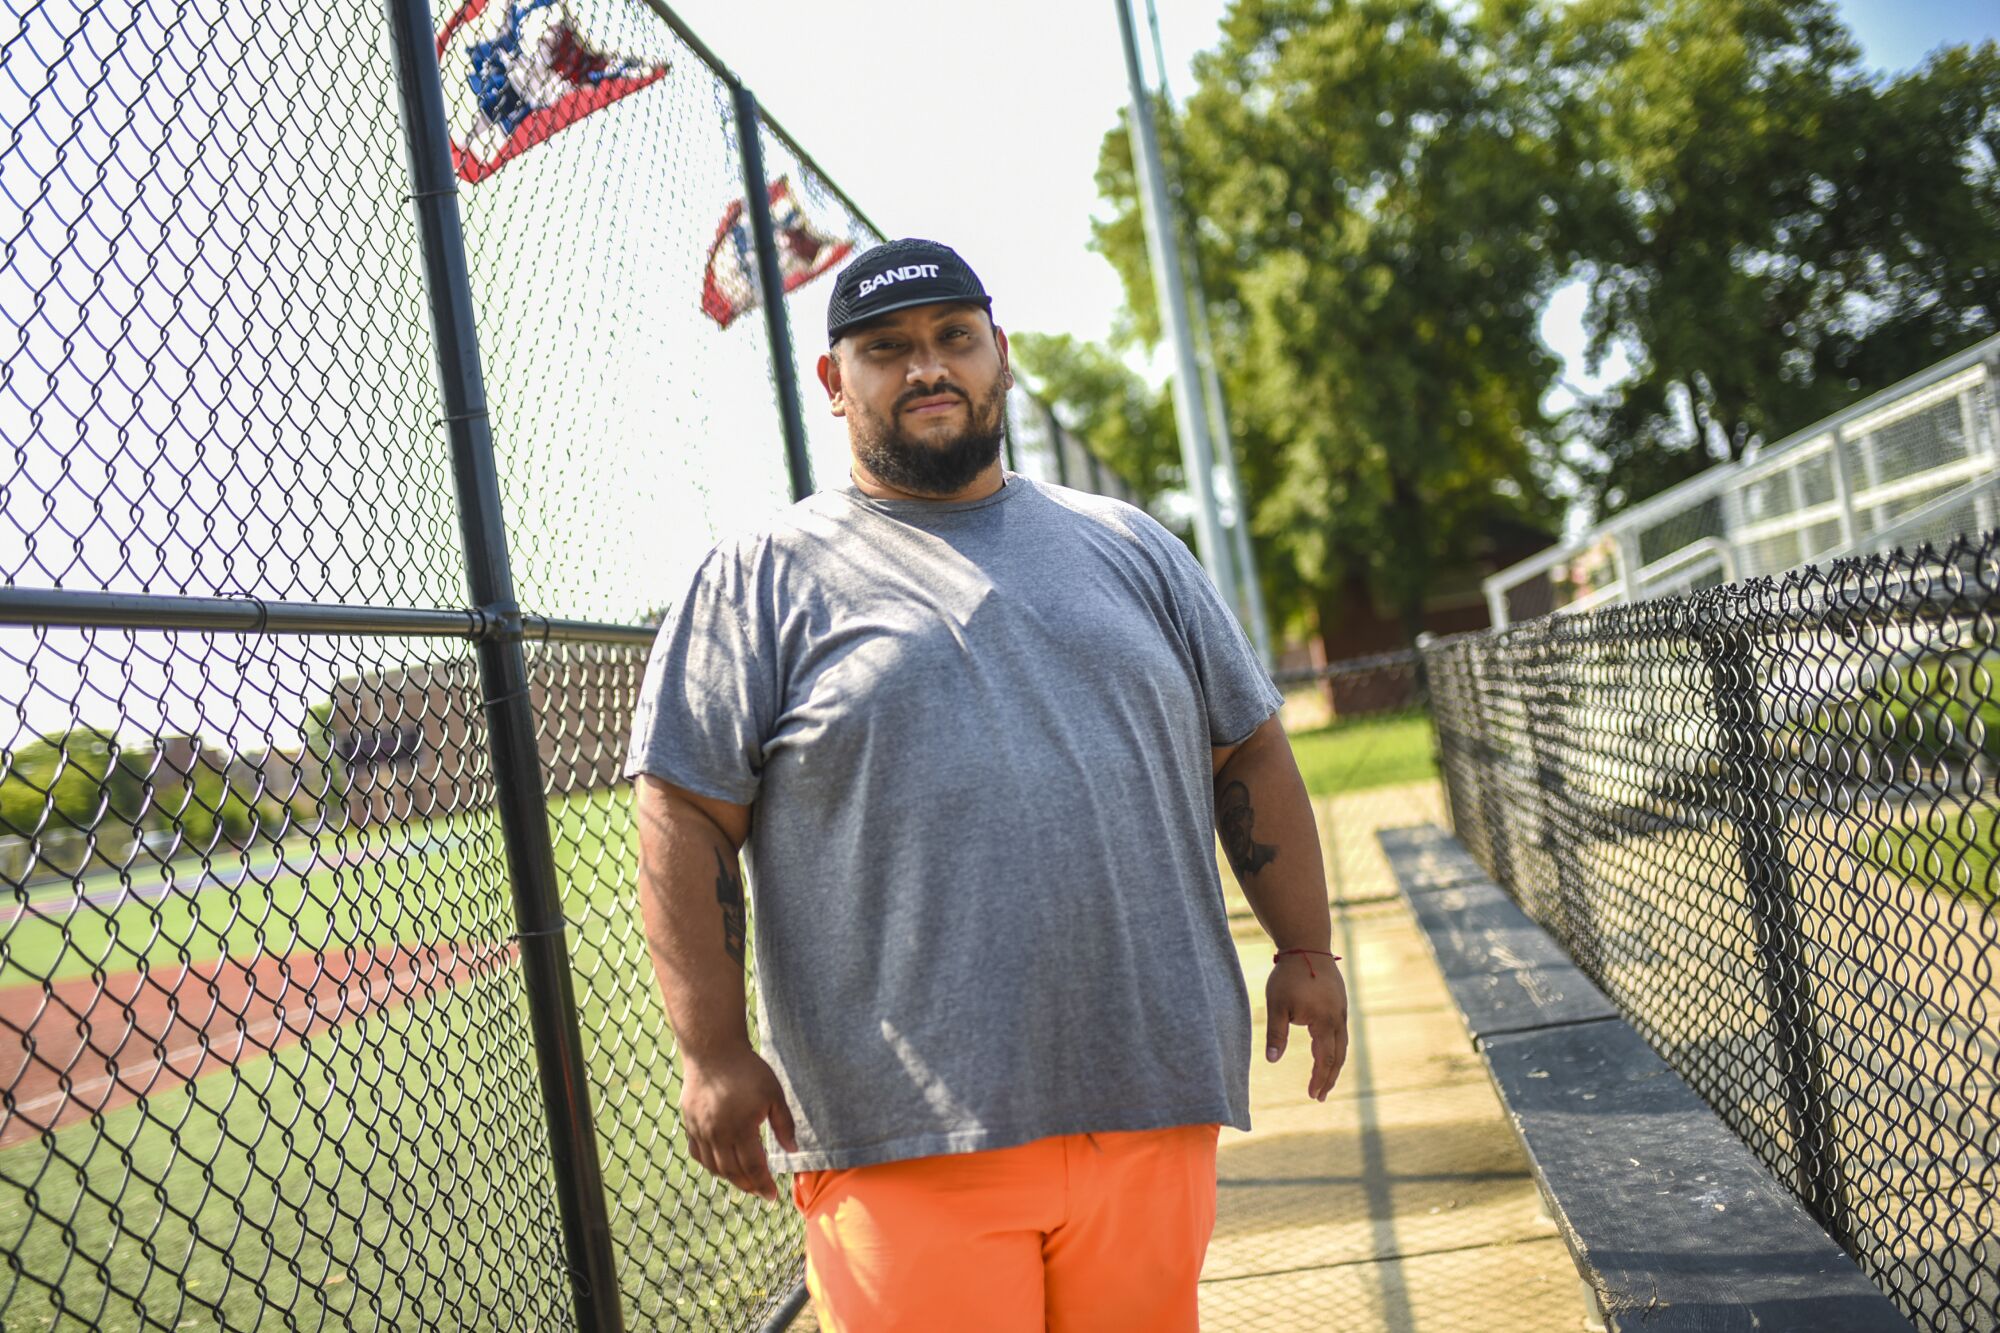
(1309, 962)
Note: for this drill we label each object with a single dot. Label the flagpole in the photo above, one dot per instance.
(541, 931)
(771, 291)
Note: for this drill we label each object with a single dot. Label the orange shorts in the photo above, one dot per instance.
(1097, 1232)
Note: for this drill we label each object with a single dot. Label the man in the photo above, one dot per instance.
(973, 734)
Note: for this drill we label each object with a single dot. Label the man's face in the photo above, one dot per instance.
(924, 394)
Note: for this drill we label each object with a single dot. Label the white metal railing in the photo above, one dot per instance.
(1889, 468)
(1683, 570)
(1927, 521)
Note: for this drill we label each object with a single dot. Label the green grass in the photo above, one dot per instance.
(376, 1169)
(393, 1170)
(1366, 752)
(1906, 715)
(1915, 715)
(406, 882)
(1948, 851)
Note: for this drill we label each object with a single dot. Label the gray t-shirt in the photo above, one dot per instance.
(981, 859)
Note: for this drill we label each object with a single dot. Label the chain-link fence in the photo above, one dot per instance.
(323, 1000)
(1762, 817)
(1357, 687)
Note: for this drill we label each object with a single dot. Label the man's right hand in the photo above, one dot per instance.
(724, 1101)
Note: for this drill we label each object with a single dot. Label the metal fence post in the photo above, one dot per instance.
(771, 290)
(1441, 749)
(1630, 560)
(1843, 490)
(503, 676)
(1757, 803)
(1548, 725)
(1457, 735)
(1056, 443)
(1486, 761)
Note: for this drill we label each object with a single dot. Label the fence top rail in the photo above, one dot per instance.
(1963, 579)
(71, 608)
(708, 57)
(807, 161)
(1347, 666)
(694, 42)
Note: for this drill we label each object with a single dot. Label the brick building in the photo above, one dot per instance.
(409, 744)
(1354, 624)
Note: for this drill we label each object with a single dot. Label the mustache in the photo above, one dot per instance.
(921, 392)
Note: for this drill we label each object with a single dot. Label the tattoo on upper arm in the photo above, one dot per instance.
(729, 892)
(1234, 819)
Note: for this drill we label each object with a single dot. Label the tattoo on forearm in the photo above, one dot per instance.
(1234, 819)
(729, 892)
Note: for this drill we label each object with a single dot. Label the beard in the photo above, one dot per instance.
(935, 467)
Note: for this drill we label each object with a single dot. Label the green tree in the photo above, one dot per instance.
(1379, 219)
(208, 808)
(201, 804)
(1129, 424)
(193, 809)
(1383, 193)
(73, 779)
(24, 805)
(1788, 229)
(319, 737)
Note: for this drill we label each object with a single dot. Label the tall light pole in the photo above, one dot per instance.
(1251, 607)
(1163, 248)
(1251, 593)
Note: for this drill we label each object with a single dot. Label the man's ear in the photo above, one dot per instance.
(1006, 366)
(829, 379)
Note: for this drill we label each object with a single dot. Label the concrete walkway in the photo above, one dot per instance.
(1403, 1202)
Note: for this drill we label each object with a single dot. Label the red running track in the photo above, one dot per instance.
(71, 1049)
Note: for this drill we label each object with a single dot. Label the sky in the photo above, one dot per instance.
(979, 125)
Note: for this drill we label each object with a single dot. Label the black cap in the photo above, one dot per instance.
(897, 275)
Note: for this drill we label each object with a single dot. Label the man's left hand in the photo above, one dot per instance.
(1316, 999)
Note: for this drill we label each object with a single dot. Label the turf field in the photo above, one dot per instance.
(1381, 751)
(440, 879)
(389, 1170)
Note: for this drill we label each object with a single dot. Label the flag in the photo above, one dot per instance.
(517, 71)
(805, 250)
